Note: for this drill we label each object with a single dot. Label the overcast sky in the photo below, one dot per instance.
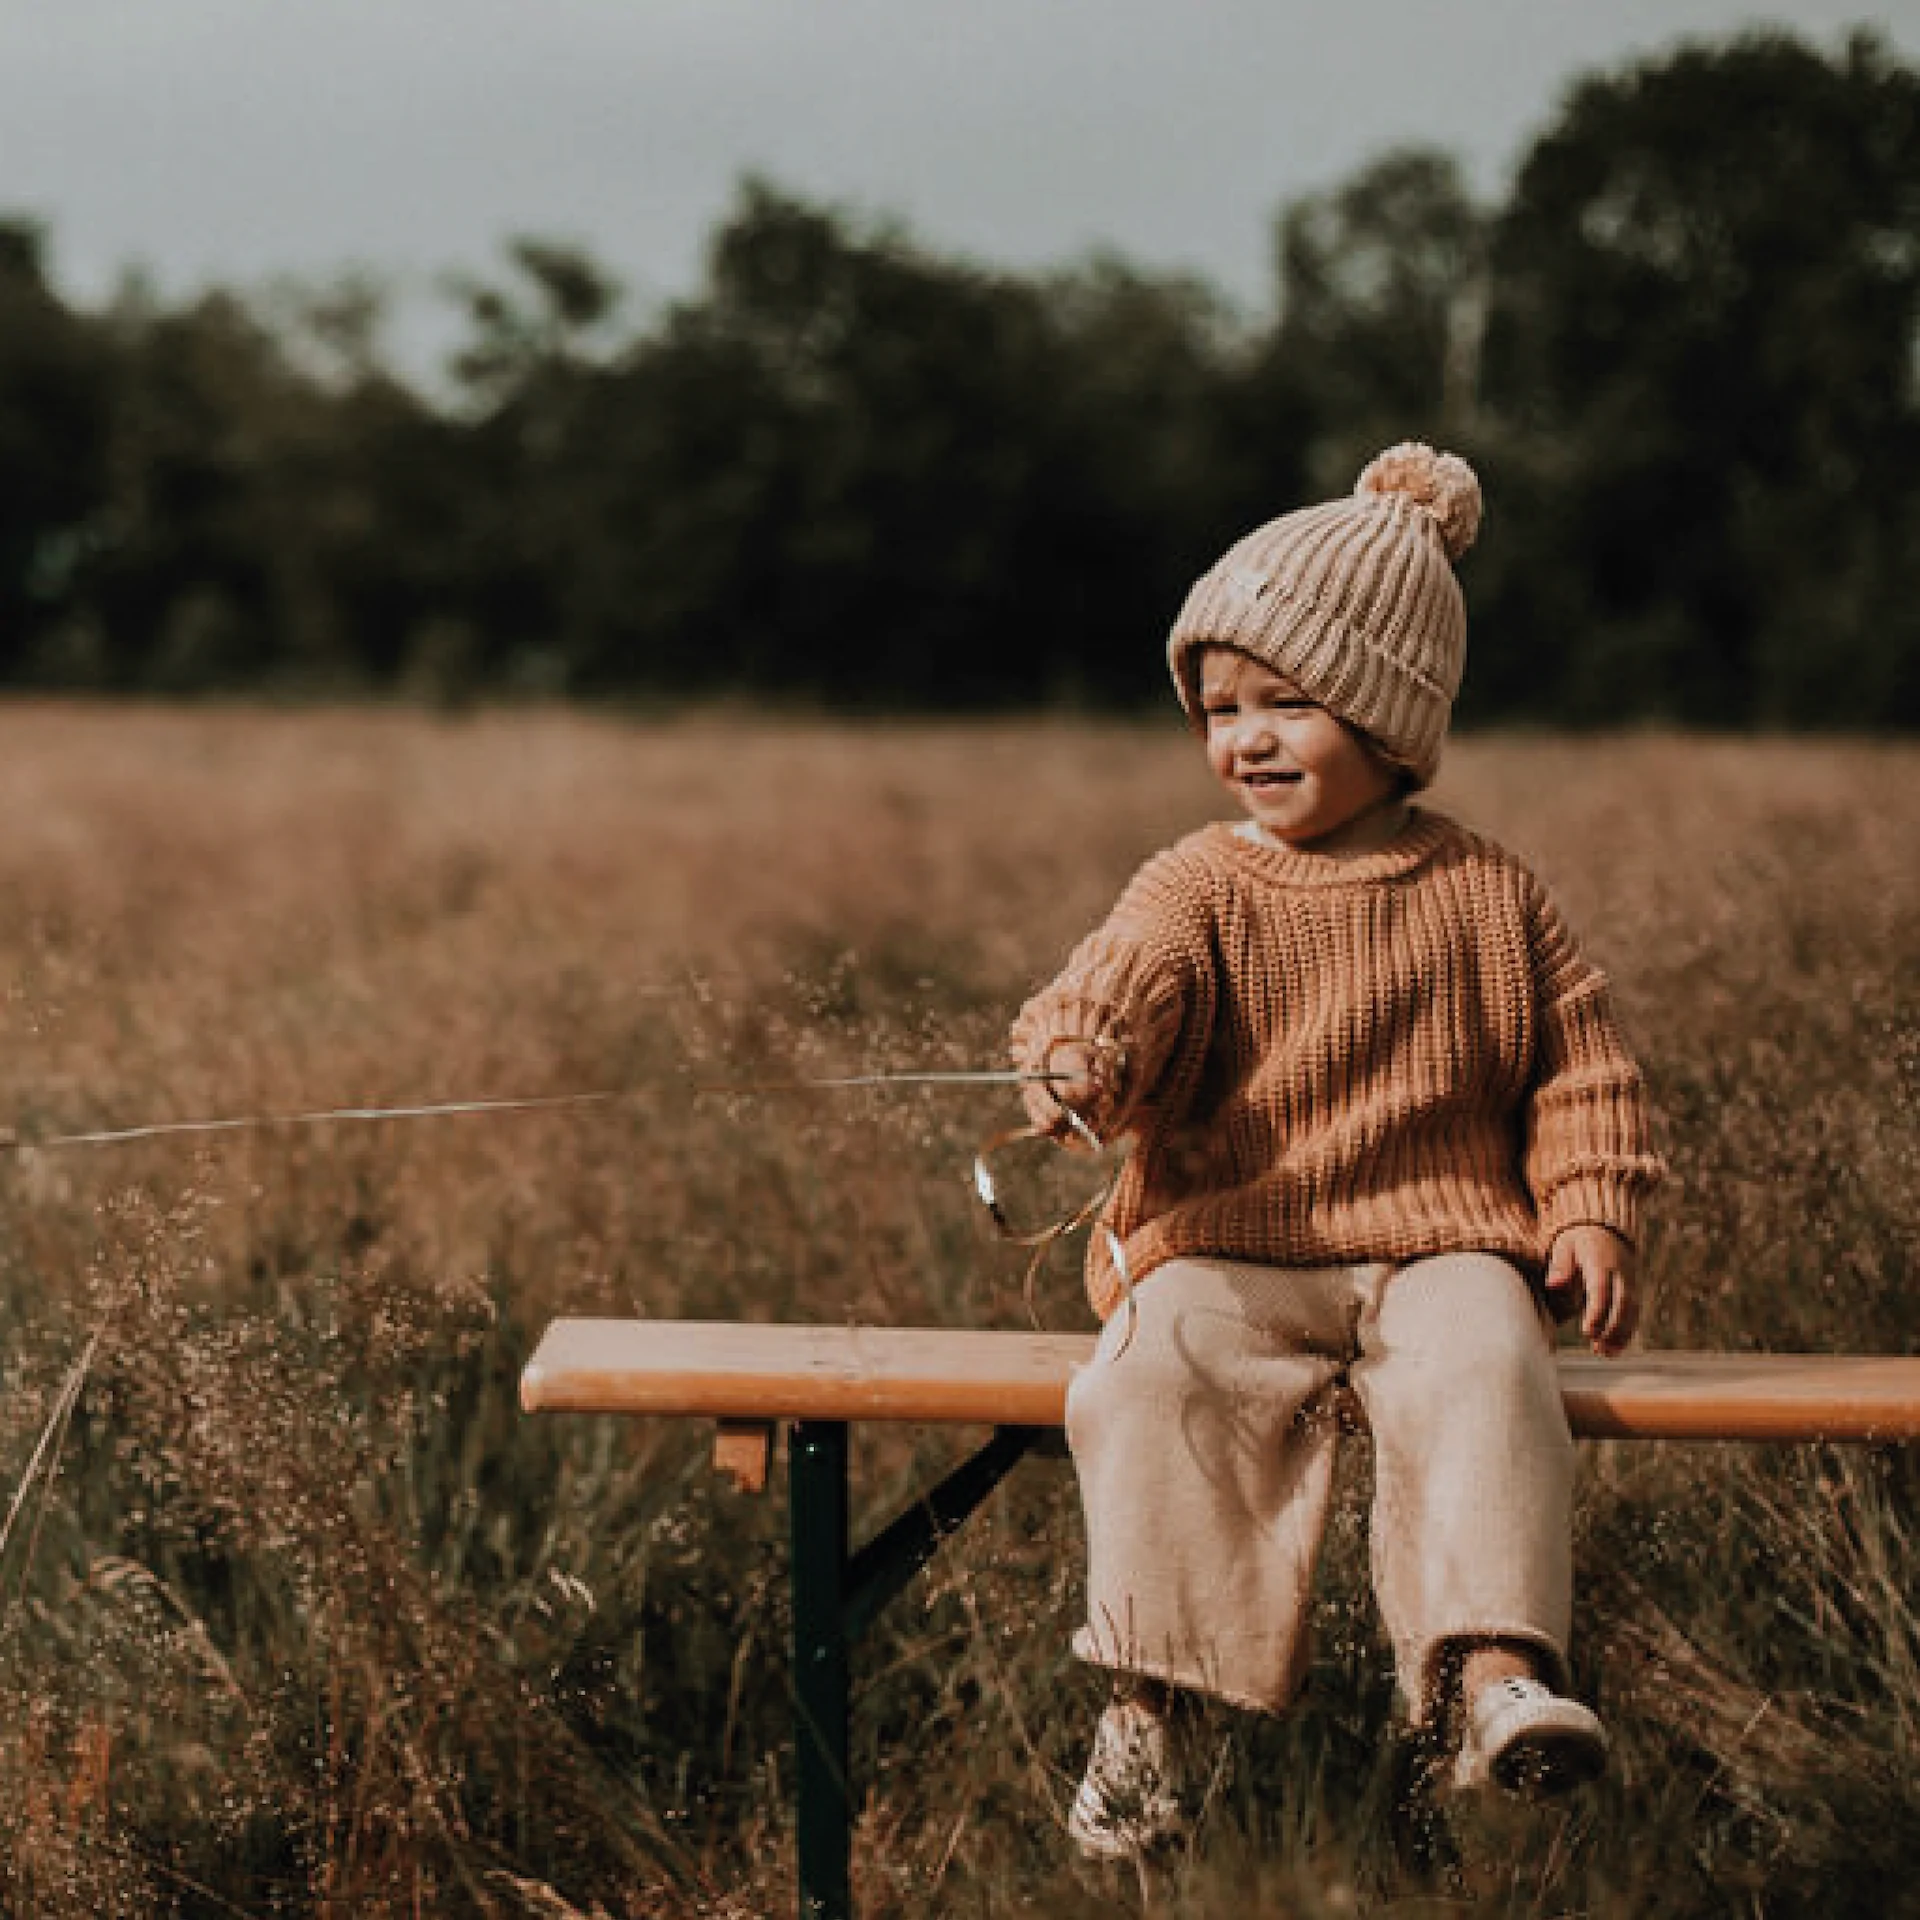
(233, 140)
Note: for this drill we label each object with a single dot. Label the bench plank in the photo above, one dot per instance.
(730, 1370)
(1743, 1396)
(727, 1370)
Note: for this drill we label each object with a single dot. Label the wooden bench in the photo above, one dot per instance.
(821, 1380)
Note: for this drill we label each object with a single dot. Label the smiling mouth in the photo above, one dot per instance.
(1269, 779)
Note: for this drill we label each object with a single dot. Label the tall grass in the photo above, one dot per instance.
(300, 1616)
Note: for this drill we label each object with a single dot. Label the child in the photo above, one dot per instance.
(1381, 1117)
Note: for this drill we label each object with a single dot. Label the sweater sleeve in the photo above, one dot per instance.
(1589, 1152)
(1128, 988)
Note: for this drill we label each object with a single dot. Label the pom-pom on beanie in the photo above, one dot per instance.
(1354, 601)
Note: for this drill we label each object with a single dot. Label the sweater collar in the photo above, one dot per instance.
(1285, 866)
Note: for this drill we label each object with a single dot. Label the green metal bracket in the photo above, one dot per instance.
(836, 1597)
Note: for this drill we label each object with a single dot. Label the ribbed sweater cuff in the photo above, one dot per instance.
(1615, 1200)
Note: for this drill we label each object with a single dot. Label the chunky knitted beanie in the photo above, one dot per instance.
(1354, 602)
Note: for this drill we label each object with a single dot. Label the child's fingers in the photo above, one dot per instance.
(1052, 1104)
(1611, 1312)
(1055, 1123)
(1562, 1268)
(1070, 1125)
(1071, 1104)
(1597, 1282)
(1593, 1316)
(1601, 1339)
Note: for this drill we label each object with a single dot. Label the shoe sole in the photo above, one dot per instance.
(1545, 1762)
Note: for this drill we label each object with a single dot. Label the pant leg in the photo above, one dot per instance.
(1473, 1467)
(1203, 1434)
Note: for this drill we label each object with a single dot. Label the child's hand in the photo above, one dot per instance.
(1082, 1078)
(1601, 1263)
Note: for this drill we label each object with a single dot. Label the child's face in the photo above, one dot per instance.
(1302, 774)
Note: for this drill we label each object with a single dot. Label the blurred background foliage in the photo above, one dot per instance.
(850, 471)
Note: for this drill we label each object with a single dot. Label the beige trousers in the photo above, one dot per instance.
(1204, 1431)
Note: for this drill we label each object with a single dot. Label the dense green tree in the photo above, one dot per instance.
(523, 609)
(1706, 306)
(184, 589)
(1382, 292)
(901, 390)
(249, 533)
(54, 413)
(850, 469)
(1168, 440)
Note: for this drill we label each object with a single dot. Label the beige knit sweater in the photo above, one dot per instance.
(1333, 1060)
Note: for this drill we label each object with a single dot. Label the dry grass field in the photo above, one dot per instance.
(299, 1615)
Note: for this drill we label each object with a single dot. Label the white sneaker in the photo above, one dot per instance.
(1529, 1740)
(1131, 1798)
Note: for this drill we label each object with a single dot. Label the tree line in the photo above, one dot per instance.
(1683, 352)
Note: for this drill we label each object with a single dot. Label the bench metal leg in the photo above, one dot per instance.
(835, 1597)
(817, 1483)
